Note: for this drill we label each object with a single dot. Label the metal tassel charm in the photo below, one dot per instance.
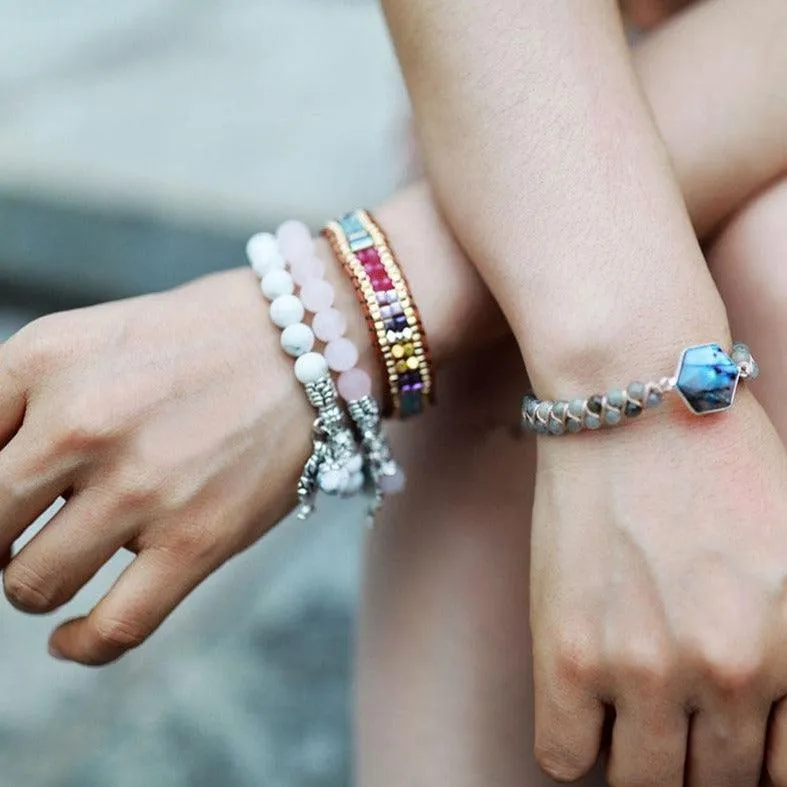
(385, 475)
(335, 465)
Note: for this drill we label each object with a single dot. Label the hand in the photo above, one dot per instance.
(658, 588)
(174, 427)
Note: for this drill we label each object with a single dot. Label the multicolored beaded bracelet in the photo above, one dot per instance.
(391, 315)
(335, 466)
(706, 379)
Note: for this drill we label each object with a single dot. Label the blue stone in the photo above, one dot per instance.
(707, 378)
(351, 224)
(360, 242)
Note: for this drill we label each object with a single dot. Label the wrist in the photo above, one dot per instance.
(613, 344)
(458, 313)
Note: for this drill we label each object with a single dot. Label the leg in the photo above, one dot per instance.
(748, 263)
(444, 657)
(444, 683)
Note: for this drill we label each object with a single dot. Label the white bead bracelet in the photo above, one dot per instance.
(282, 263)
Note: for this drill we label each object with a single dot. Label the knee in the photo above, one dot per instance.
(747, 259)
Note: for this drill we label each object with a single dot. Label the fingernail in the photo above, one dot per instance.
(56, 653)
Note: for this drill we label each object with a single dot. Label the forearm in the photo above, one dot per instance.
(747, 103)
(546, 162)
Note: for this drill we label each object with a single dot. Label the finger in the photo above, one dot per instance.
(726, 747)
(569, 718)
(31, 480)
(648, 744)
(67, 552)
(776, 752)
(141, 599)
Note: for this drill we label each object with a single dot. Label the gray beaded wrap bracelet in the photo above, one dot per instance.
(706, 379)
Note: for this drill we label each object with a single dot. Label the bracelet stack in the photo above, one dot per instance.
(706, 379)
(343, 460)
(391, 315)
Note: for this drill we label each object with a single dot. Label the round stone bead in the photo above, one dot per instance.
(355, 464)
(556, 427)
(329, 325)
(595, 404)
(310, 367)
(333, 481)
(277, 283)
(633, 409)
(341, 355)
(543, 410)
(654, 399)
(307, 268)
(636, 391)
(354, 384)
(616, 398)
(317, 295)
(295, 241)
(263, 253)
(529, 405)
(592, 421)
(742, 357)
(557, 423)
(613, 417)
(636, 395)
(740, 353)
(286, 310)
(297, 340)
(576, 408)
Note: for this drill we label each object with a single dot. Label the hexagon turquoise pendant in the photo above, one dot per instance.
(707, 379)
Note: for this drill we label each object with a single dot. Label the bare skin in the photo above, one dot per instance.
(162, 371)
(461, 681)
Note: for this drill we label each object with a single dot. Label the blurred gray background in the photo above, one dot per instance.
(140, 143)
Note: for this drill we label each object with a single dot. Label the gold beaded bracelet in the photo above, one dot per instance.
(393, 319)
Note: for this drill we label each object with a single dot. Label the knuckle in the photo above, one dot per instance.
(196, 545)
(13, 492)
(115, 634)
(731, 672)
(144, 489)
(84, 427)
(37, 346)
(646, 665)
(730, 669)
(576, 659)
(28, 589)
(31, 345)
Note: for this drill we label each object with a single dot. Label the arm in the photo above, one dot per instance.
(650, 576)
(564, 194)
(131, 356)
(129, 372)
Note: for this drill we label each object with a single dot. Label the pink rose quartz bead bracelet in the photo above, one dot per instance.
(286, 262)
